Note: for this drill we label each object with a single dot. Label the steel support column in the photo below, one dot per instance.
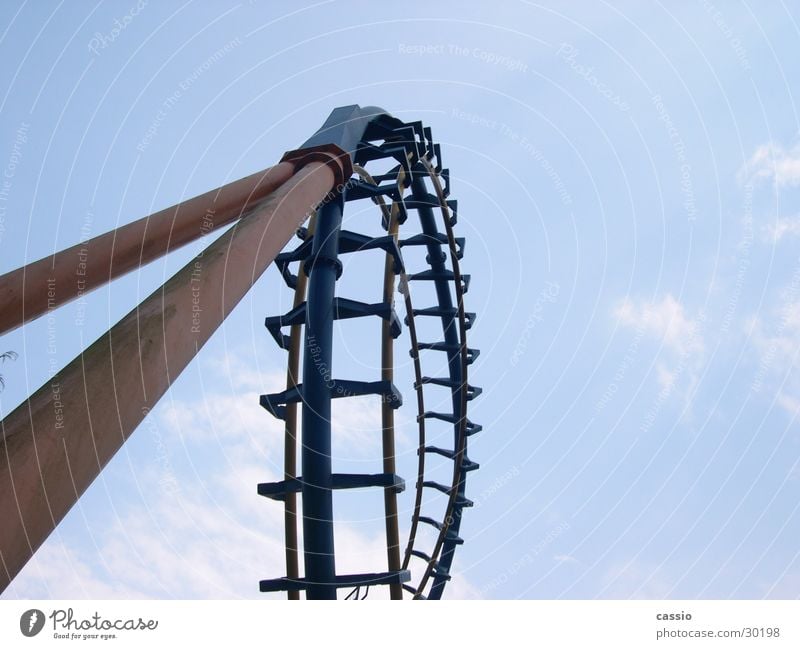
(324, 270)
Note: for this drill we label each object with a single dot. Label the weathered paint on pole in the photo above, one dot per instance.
(77, 270)
(57, 442)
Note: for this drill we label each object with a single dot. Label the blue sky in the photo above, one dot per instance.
(628, 177)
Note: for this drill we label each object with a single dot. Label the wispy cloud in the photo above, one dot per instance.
(787, 226)
(637, 579)
(665, 320)
(771, 161)
(777, 344)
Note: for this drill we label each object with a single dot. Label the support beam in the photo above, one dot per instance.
(317, 376)
(394, 561)
(57, 442)
(82, 268)
(291, 544)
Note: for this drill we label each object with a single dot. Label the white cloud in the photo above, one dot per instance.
(681, 337)
(789, 403)
(778, 347)
(786, 226)
(461, 588)
(637, 579)
(665, 320)
(773, 162)
(666, 378)
(58, 572)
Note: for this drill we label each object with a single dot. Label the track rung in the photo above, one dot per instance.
(469, 316)
(278, 490)
(386, 389)
(362, 480)
(430, 521)
(441, 416)
(275, 324)
(355, 242)
(340, 581)
(469, 427)
(348, 242)
(450, 536)
(429, 200)
(472, 353)
(472, 391)
(399, 150)
(440, 238)
(413, 591)
(469, 465)
(432, 276)
(343, 309)
(443, 275)
(275, 403)
(340, 388)
(472, 429)
(363, 189)
(438, 486)
(460, 502)
(432, 201)
(438, 570)
(466, 463)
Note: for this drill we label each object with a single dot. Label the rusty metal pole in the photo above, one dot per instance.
(57, 442)
(77, 270)
(387, 418)
(290, 432)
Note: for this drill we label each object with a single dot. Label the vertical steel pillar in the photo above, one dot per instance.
(320, 568)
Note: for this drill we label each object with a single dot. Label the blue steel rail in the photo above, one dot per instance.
(369, 135)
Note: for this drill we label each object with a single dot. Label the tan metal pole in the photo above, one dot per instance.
(387, 417)
(58, 441)
(77, 270)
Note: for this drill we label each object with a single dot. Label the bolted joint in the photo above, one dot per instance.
(320, 260)
(332, 155)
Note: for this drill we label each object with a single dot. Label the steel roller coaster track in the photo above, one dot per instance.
(108, 389)
(416, 185)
